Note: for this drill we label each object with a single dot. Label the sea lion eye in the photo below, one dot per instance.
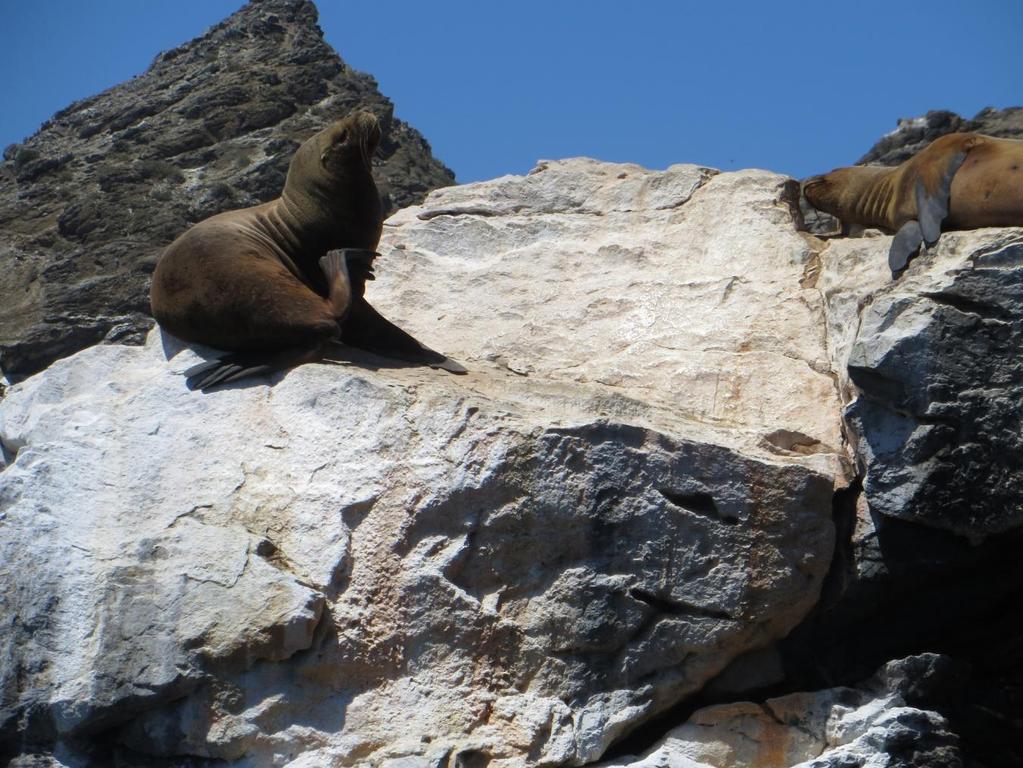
(342, 137)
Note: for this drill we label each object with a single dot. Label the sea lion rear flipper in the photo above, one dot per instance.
(905, 245)
(240, 365)
(932, 207)
(367, 329)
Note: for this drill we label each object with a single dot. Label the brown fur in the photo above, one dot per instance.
(250, 279)
(986, 191)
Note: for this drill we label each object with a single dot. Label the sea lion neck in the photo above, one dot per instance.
(865, 195)
(859, 193)
(325, 210)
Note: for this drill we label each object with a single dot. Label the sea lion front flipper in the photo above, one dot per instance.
(905, 244)
(359, 263)
(932, 196)
(367, 329)
(932, 206)
(239, 365)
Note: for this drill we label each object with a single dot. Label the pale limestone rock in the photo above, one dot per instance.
(680, 289)
(358, 564)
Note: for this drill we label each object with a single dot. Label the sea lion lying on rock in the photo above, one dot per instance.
(960, 181)
(268, 284)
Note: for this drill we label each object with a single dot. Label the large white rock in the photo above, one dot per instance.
(682, 290)
(360, 564)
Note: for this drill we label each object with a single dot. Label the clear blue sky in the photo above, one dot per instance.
(797, 87)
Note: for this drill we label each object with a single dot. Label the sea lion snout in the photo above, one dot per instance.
(366, 128)
(352, 139)
(812, 189)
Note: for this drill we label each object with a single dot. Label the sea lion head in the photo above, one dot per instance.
(348, 144)
(823, 192)
(329, 193)
(845, 191)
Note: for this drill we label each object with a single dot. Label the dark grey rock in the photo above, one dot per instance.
(928, 552)
(88, 202)
(940, 412)
(913, 134)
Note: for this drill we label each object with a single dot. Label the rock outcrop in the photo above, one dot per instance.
(913, 134)
(939, 406)
(644, 494)
(355, 564)
(88, 202)
(706, 475)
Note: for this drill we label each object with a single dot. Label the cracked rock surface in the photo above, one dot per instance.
(932, 361)
(356, 564)
(634, 489)
(89, 201)
(886, 721)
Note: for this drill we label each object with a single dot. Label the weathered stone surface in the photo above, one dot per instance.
(934, 361)
(922, 574)
(702, 306)
(631, 487)
(880, 723)
(88, 202)
(928, 552)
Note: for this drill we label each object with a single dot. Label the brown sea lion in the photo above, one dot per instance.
(267, 282)
(960, 181)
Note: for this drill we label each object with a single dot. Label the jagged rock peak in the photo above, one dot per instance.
(88, 202)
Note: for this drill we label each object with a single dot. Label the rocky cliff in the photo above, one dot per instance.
(714, 493)
(88, 202)
(701, 458)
